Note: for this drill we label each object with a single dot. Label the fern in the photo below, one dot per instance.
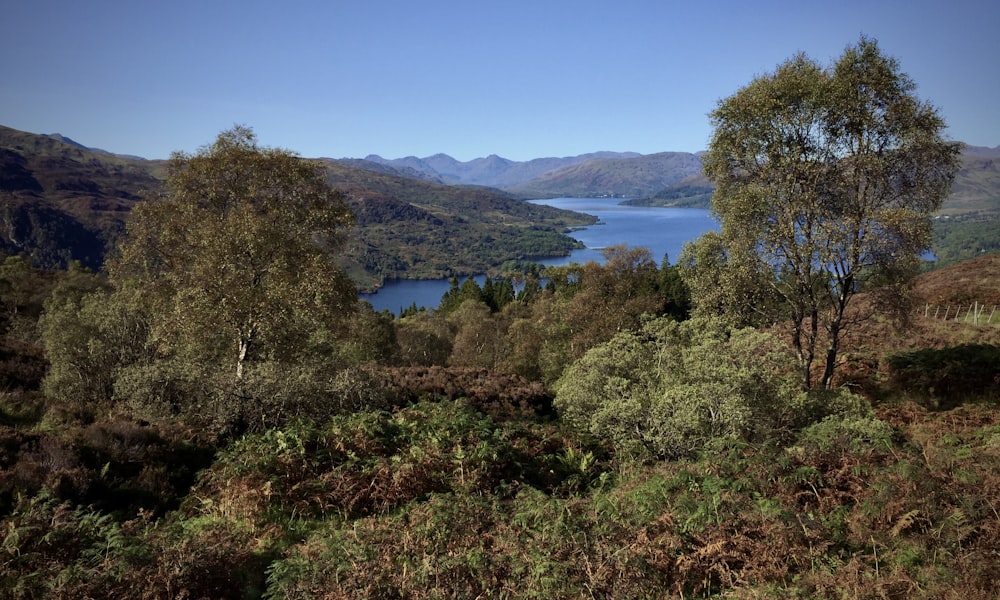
(955, 527)
(904, 523)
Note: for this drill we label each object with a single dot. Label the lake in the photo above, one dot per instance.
(663, 230)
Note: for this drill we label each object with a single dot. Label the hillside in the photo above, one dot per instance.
(624, 177)
(415, 229)
(432, 481)
(974, 195)
(663, 179)
(619, 174)
(975, 280)
(976, 190)
(691, 192)
(61, 201)
(944, 291)
(417, 218)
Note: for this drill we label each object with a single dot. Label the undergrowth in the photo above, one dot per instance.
(441, 500)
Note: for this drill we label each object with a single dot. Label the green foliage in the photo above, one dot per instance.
(423, 339)
(370, 463)
(671, 389)
(437, 500)
(455, 482)
(956, 239)
(825, 182)
(89, 334)
(724, 284)
(227, 307)
(459, 294)
(204, 557)
(22, 293)
(238, 255)
(268, 394)
(495, 293)
(590, 303)
(368, 338)
(845, 433)
(23, 296)
(695, 194)
(415, 229)
(52, 549)
(538, 332)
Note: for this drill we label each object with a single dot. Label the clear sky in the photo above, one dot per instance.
(519, 78)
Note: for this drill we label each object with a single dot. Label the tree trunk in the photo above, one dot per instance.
(241, 357)
(831, 355)
(846, 287)
(244, 342)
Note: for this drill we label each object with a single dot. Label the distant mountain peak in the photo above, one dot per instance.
(60, 137)
(493, 170)
(71, 142)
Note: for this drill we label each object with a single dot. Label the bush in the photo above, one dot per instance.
(845, 433)
(671, 388)
(53, 549)
(270, 394)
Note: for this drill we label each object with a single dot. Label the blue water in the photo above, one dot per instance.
(663, 230)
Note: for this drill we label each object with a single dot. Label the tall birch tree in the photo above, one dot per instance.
(236, 260)
(826, 178)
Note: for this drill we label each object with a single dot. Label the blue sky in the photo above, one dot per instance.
(522, 79)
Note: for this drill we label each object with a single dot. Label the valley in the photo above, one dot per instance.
(589, 434)
(416, 218)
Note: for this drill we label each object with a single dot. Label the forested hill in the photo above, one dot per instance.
(410, 228)
(61, 201)
(416, 218)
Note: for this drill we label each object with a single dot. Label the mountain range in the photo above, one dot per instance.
(492, 171)
(618, 174)
(415, 217)
(661, 179)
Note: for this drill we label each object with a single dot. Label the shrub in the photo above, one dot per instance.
(845, 433)
(268, 395)
(671, 388)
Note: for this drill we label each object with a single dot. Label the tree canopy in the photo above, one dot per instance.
(825, 181)
(225, 300)
(240, 247)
